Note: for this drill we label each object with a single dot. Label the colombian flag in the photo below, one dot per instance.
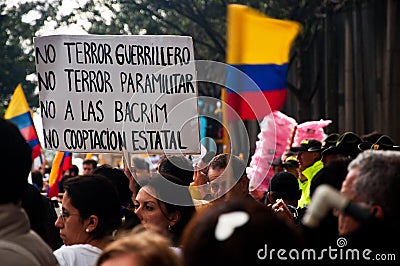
(62, 161)
(19, 113)
(259, 46)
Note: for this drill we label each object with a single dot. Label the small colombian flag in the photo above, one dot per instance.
(62, 161)
(19, 113)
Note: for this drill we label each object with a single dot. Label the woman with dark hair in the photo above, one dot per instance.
(91, 212)
(164, 203)
(121, 183)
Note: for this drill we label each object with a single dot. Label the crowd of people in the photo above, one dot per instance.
(183, 213)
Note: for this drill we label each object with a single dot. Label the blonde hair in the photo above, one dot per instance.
(150, 247)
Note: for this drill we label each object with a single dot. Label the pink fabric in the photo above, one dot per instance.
(274, 139)
(311, 130)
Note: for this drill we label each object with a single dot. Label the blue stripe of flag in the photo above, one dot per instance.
(268, 77)
(23, 120)
(33, 142)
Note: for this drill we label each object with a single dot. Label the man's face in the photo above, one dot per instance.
(257, 193)
(140, 173)
(221, 184)
(87, 168)
(306, 159)
(294, 171)
(346, 224)
(217, 179)
(327, 158)
(277, 168)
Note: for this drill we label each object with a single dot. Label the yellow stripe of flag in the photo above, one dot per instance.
(253, 38)
(55, 168)
(18, 104)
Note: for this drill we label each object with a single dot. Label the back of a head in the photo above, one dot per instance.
(146, 246)
(121, 183)
(16, 162)
(141, 163)
(37, 179)
(178, 166)
(74, 170)
(233, 233)
(288, 154)
(371, 137)
(284, 185)
(378, 181)
(96, 195)
(348, 144)
(330, 140)
(333, 174)
(119, 179)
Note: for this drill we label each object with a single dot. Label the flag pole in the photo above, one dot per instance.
(225, 137)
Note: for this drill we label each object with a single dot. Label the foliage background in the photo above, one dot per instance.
(343, 65)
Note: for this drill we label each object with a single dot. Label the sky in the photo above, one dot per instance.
(66, 8)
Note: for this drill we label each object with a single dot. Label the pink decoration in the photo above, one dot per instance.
(311, 130)
(274, 139)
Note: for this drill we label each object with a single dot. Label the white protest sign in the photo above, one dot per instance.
(113, 93)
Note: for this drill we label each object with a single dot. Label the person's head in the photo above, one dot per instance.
(286, 155)
(330, 155)
(118, 178)
(330, 140)
(383, 143)
(91, 210)
(64, 179)
(164, 203)
(371, 137)
(74, 170)
(141, 166)
(139, 169)
(144, 248)
(37, 179)
(373, 181)
(16, 162)
(88, 166)
(70, 172)
(177, 165)
(277, 165)
(258, 194)
(233, 232)
(334, 173)
(284, 186)
(291, 165)
(328, 148)
(121, 183)
(346, 146)
(46, 178)
(227, 176)
(308, 152)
